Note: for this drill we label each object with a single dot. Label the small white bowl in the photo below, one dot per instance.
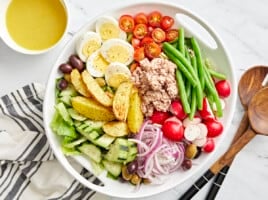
(4, 35)
(219, 56)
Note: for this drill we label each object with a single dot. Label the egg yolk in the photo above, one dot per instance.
(116, 79)
(108, 31)
(90, 47)
(118, 53)
(100, 64)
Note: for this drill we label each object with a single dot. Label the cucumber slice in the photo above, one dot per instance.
(113, 168)
(91, 151)
(91, 136)
(94, 124)
(75, 143)
(118, 151)
(69, 91)
(75, 115)
(64, 113)
(104, 141)
(96, 167)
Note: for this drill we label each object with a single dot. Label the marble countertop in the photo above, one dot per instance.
(243, 27)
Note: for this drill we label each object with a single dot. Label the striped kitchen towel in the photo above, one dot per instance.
(28, 168)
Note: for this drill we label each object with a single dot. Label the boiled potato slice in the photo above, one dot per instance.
(121, 101)
(135, 116)
(92, 109)
(95, 90)
(78, 83)
(116, 128)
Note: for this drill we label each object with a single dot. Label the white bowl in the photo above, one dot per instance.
(4, 35)
(114, 188)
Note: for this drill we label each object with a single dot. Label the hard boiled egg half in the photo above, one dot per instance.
(96, 64)
(117, 50)
(88, 44)
(117, 73)
(107, 27)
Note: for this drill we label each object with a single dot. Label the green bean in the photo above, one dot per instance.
(182, 68)
(193, 104)
(180, 83)
(198, 90)
(188, 89)
(199, 61)
(211, 88)
(168, 48)
(181, 41)
(217, 75)
(199, 96)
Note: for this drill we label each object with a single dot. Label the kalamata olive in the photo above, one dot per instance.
(76, 63)
(63, 84)
(132, 167)
(65, 68)
(187, 164)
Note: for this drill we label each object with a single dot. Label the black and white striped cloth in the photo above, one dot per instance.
(28, 168)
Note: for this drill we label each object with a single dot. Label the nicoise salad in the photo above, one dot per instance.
(138, 98)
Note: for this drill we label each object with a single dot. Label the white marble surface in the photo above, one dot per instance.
(243, 26)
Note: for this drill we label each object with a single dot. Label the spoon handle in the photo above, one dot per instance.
(232, 151)
(215, 187)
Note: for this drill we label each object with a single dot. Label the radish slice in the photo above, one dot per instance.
(204, 131)
(200, 142)
(186, 122)
(192, 132)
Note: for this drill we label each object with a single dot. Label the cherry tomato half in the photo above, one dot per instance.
(133, 66)
(152, 50)
(140, 30)
(154, 19)
(126, 23)
(158, 35)
(139, 54)
(172, 35)
(167, 22)
(135, 43)
(141, 18)
(146, 40)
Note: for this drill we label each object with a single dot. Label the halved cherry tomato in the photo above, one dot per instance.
(158, 35)
(126, 23)
(152, 50)
(167, 22)
(133, 66)
(139, 54)
(135, 43)
(141, 18)
(154, 19)
(172, 35)
(140, 30)
(146, 40)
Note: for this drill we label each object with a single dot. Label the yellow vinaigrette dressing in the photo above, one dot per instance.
(36, 24)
